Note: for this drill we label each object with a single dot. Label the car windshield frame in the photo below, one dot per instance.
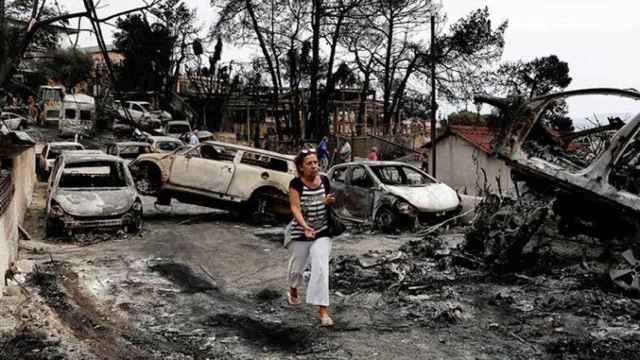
(404, 181)
(124, 178)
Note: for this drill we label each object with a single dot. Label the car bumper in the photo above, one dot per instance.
(437, 217)
(72, 223)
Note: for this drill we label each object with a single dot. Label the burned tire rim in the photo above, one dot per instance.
(135, 224)
(385, 219)
(146, 182)
(625, 271)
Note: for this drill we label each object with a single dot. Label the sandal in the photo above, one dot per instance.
(326, 321)
(293, 301)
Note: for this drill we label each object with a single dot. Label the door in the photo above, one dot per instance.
(360, 191)
(205, 168)
(338, 179)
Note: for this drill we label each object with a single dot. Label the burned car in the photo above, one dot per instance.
(592, 167)
(218, 175)
(49, 154)
(164, 144)
(390, 194)
(91, 191)
(128, 150)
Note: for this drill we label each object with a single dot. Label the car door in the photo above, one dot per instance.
(206, 167)
(359, 193)
(338, 177)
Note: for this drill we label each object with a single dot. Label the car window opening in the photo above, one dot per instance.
(400, 175)
(97, 174)
(54, 152)
(264, 161)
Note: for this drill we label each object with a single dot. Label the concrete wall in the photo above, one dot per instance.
(459, 165)
(24, 179)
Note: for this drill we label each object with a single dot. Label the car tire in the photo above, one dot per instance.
(624, 271)
(52, 227)
(386, 219)
(262, 206)
(135, 226)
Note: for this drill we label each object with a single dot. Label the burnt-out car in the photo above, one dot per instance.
(91, 191)
(128, 150)
(390, 194)
(592, 167)
(219, 175)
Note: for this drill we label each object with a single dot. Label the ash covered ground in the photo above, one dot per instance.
(198, 283)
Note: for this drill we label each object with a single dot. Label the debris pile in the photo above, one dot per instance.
(504, 230)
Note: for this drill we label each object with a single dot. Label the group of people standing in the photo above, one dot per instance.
(344, 154)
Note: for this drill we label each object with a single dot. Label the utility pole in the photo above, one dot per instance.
(433, 96)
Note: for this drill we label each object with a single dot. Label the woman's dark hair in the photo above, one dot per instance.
(299, 159)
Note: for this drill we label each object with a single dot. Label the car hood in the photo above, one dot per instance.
(429, 198)
(95, 202)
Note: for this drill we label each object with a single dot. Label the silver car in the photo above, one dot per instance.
(91, 191)
(390, 194)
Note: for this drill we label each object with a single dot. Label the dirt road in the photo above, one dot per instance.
(202, 284)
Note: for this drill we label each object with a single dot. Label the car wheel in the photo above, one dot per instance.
(52, 227)
(147, 179)
(135, 223)
(625, 271)
(386, 219)
(265, 206)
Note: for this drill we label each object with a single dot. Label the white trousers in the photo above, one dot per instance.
(315, 253)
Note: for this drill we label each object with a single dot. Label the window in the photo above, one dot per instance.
(168, 145)
(221, 153)
(57, 150)
(93, 174)
(400, 175)
(389, 175)
(360, 178)
(178, 129)
(265, 161)
(339, 174)
(85, 115)
(70, 114)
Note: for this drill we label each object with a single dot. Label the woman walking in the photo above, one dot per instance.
(309, 196)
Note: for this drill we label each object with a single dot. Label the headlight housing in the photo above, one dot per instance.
(56, 210)
(406, 208)
(137, 206)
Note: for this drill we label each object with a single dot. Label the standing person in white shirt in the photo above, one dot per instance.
(193, 139)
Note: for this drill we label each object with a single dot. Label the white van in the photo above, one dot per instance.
(78, 115)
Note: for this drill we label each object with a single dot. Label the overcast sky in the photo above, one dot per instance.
(597, 38)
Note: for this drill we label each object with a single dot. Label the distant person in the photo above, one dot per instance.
(323, 153)
(193, 138)
(373, 154)
(344, 154)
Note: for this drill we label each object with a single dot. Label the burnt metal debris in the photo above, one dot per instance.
(595, 191)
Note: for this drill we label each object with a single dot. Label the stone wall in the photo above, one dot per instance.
(23, 179)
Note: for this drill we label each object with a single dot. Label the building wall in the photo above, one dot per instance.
(459, 165)
(24, 179)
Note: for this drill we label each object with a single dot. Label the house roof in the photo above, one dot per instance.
(480, 137)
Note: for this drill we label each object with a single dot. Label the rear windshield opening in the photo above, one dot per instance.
(132, 152)
(179, 129)
(95, 174)
(168, 146)
(54, 152)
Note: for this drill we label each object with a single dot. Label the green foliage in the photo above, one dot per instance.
(537, 77)
(466, 118)
(147, 49)
(68, 67)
